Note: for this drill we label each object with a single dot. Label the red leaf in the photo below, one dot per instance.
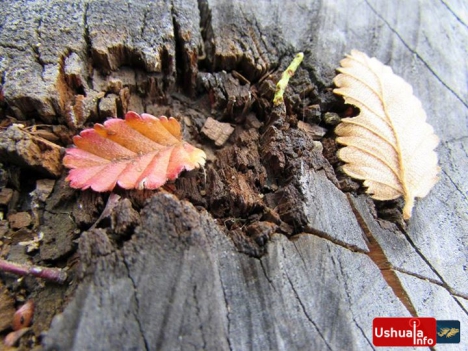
(140, 152)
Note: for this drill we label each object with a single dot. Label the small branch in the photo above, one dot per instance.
(283, 83)
(53, 274)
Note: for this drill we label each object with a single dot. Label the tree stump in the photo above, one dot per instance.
(270, 247)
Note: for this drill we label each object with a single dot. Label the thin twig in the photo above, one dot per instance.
(53, 274)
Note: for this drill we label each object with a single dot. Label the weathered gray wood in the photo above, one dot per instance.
(32, 54)
(127, 36)
(413, 48)
(401, 255)
(180, 282)
(112, 292)
(339, 223)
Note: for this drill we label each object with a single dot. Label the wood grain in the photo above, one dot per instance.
(182, 279)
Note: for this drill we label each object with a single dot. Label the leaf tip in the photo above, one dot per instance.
(408, 208)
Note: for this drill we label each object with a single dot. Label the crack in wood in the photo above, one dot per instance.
(226, 303)
(186, 42)
(266, 275)
(206, 31)
(460, 304)
(433, 281)
(388, 271)
(86, 36)
(326, 236)
(444, 283)
(377, 255)
(12, 46)
(447, 142)
(345, 282)
(454, 14)
(146, 12)
(198, 310)
(303, 308)
(300, 254)
(36, 48)
(456, 186)
(414, 52)
(137, 302)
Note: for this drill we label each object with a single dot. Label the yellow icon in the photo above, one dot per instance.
(448, 332)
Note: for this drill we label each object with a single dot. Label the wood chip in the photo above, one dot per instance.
(19, 220)
(217, 131)
(5, 196)
(315, 131)
(43, 189)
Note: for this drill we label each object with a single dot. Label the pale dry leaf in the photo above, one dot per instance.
(389, 145)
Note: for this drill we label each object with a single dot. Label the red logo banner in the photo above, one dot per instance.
(402, 331)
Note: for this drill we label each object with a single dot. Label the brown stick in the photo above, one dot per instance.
(53, 274)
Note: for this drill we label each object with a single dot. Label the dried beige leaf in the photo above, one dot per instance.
(389, 145)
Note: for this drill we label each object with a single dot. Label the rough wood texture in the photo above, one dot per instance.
(20, 147)
(275, 255)
(191, 289)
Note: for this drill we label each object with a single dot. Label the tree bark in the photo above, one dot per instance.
(271, 248)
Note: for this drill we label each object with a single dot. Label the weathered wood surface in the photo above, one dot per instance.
(181, 281)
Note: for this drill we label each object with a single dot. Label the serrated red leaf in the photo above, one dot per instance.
(140, 152)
